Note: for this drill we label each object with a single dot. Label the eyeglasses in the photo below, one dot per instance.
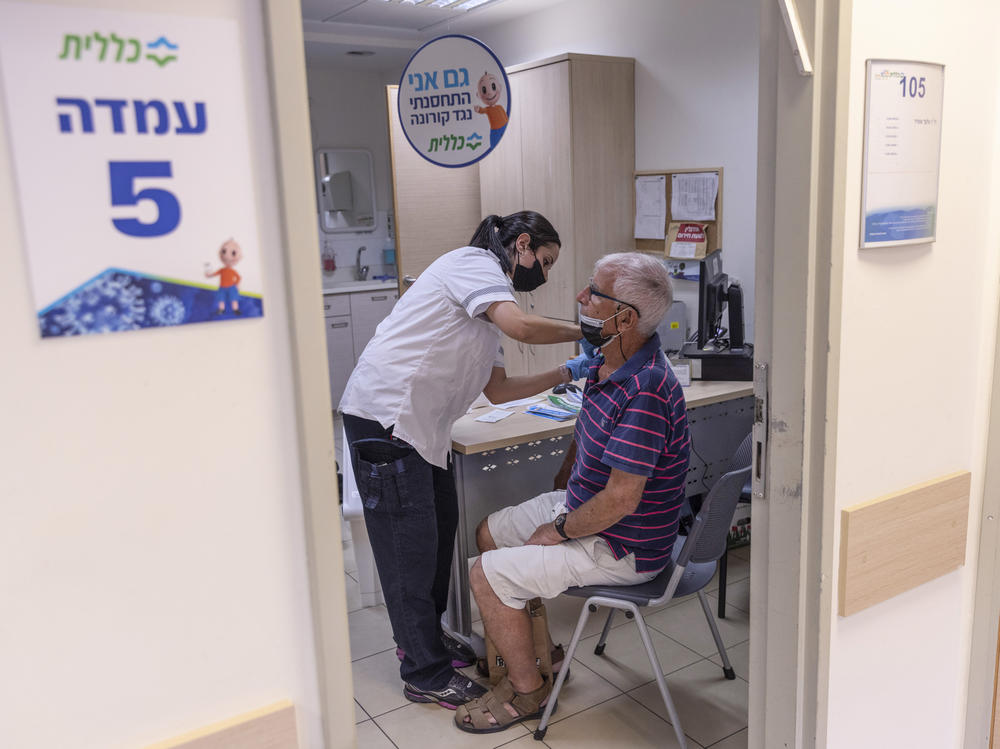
(591, 290)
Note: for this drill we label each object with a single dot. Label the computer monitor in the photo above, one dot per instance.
(714, 294)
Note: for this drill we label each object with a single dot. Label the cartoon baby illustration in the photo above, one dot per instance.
(230, 253)
(488, 91)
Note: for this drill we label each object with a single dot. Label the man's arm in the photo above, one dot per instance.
(619, 498)
(526, 328)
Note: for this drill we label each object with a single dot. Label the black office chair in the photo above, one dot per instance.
(695, 558)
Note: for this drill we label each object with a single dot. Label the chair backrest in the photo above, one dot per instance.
(706, 541)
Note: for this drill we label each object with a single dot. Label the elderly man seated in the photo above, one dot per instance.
(617, 519)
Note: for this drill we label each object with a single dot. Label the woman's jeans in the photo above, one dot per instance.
(411, 512)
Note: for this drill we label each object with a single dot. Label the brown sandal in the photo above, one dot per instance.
(479, 710)
(558, 656)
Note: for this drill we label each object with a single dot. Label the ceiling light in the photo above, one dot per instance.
(442, 4)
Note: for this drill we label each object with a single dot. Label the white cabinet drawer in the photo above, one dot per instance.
(368, 309)
(339, 354)
(336, 304)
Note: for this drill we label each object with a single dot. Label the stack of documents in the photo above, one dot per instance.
(550, 412)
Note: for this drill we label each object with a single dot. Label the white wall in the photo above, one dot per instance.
(696, 100)
(914, 379)
(696, 95)
(152, 559)
(347, 110)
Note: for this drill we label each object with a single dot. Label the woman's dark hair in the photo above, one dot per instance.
(497, 234)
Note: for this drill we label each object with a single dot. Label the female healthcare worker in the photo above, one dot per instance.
(430, 358)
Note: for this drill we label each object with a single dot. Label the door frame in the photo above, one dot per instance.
(981, 698)
(801, 175)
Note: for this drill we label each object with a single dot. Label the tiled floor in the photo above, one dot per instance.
(610, 701)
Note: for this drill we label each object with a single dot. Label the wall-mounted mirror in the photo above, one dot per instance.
(345, 189)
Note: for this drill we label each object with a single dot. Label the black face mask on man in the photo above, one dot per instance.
(591, 328)
(528, 279)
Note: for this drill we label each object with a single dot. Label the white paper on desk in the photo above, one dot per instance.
(495, 415)
(522, 402)
(692, 196)
(651, 206)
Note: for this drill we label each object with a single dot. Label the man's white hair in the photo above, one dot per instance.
(642, 281)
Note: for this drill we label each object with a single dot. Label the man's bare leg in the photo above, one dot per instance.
(510, 630)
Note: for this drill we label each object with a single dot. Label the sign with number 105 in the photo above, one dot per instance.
(902, 148)
(133, 167)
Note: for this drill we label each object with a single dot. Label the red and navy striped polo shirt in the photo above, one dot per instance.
(635, 421)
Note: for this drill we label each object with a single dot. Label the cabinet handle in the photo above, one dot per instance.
(326, 306)
(380, 298)
(339, 324)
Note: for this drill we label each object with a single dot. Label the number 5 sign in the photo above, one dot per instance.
(132, 166)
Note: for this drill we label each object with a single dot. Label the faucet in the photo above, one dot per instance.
(360, 271)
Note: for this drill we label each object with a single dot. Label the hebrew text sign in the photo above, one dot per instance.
(129, 141)
(454, 100)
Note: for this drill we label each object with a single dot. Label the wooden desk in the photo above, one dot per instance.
(509, 461)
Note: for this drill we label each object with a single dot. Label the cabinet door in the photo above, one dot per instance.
(500, 188)
(368, 309)
(547, 177)
(436, 209)
(339, 354)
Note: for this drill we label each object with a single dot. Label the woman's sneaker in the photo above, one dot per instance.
(461, 655)
(458, 691)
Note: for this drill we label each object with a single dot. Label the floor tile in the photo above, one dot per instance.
(583, 689)
(736, 741)
(625, 662)
(563, 613)
(370, 736)
(710, 706)
(739, 657)
(620, 722)
(370, 631)
(737, 595)
(739, 569)
(377, 686)
(425, 726)
(350, 563)
(741, 551)
(353, 593)
(359, 713)
(686, 624)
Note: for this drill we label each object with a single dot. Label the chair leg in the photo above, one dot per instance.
(661, 682)
(727, 667)
(599, 650)
(553, 697)
(723, 569)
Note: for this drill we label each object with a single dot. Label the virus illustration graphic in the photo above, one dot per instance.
(167, 310)
(107, 304)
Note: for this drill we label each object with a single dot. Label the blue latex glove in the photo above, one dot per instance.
(588, 348)
(578, 366)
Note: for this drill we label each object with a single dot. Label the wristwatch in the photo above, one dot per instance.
(559, 522)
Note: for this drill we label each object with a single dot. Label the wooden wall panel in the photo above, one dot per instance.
(436, 208)
(270, 727)
(897, 542)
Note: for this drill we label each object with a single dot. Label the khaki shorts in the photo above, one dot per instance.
(518, 573)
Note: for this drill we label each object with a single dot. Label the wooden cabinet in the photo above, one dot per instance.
(568, 153)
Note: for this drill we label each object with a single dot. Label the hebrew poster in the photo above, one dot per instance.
(454, 100)
(128, 136)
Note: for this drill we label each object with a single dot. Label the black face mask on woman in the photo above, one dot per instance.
(528, 279)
